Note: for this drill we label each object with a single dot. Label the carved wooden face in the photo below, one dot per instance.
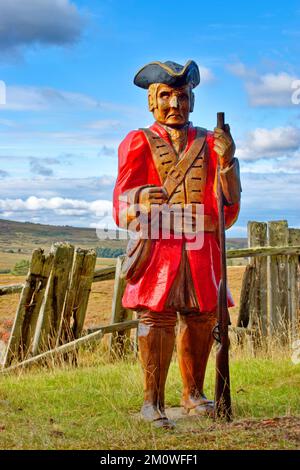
(172, 106)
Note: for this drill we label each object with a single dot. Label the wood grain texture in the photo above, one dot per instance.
(294, 285)
(278, 280)
(28, 308)
(119, 341)
(54, 298)
(258, 303)
(77, 296)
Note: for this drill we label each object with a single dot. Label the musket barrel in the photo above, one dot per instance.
(222, 389)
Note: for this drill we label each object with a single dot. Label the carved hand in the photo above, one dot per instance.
(152, 195)
(224, 145)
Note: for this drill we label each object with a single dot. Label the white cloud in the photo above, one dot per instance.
(269, 143)
(237, 231)
(50, 22)
(271, 90)
(61, 206)
(206, 74)
(241, 70)
(32, 98)
(88, 189)
(268, 90)
(29, 98)
(59, 211)
(269, 192)
(87, 202)
(292, 165)
(77, 142)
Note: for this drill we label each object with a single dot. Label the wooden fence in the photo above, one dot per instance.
(53, 301)
(270, 299)
(52, 307)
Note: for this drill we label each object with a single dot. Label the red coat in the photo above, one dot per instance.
(136, 168)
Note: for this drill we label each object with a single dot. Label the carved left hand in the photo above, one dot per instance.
(224, 145)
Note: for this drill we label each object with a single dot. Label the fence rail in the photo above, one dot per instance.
(106, 274)
(93, 335)
(103, 274)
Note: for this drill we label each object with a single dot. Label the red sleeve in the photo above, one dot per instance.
(132, 170)
(231, 212)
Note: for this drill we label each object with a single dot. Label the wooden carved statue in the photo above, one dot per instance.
(174, 164)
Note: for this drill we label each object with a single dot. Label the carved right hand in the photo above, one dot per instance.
(152, 195)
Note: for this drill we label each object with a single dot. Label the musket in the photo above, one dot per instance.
(220, 332)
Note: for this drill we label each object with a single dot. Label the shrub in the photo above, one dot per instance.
(20, 268)
(109, 252)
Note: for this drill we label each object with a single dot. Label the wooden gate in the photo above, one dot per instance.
(53, 301)
(270, 297)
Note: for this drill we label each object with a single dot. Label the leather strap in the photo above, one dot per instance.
(178, 171)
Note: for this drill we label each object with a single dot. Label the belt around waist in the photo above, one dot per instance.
(206, 224)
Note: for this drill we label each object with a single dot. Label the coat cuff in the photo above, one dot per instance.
(231, 184)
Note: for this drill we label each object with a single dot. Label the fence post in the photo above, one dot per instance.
(53, 304)
(247, 286)
(78, 295)
(278, 281)
(22, 333)
(294, 284)
(120, 340)
(258, 305)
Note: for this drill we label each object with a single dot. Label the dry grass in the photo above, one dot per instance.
(8, 260)
(100, 302)
(235, 278)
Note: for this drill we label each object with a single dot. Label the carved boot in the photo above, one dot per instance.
(156, 346)
(195, 341)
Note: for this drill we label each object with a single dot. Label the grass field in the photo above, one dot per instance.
(96, 407)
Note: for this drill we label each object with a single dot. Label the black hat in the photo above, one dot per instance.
(169, 73)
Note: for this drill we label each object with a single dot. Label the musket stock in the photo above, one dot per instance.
(220, 333)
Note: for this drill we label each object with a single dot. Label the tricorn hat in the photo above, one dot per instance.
(169, 73)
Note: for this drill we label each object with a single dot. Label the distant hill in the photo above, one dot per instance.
(236, 243)
(23, 237)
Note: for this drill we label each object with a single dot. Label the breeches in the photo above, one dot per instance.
(169, 318)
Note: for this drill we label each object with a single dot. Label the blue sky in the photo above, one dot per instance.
(68, 67)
